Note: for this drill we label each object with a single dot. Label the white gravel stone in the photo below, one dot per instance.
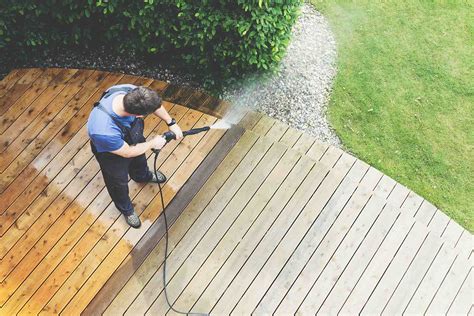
(298, 95)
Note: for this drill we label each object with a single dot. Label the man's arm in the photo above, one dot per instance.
(164, 115)
(128, 151)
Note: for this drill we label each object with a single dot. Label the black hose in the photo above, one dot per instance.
(166, 243)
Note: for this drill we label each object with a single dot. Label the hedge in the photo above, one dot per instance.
(228, 38)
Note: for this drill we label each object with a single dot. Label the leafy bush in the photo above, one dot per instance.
(219, 37)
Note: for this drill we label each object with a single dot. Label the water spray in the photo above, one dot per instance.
(221, 124)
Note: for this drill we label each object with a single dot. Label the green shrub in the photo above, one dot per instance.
(224, 38)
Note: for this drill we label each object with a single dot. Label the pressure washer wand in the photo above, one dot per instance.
(169, 135)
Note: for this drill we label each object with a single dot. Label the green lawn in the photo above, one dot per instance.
(403, 96)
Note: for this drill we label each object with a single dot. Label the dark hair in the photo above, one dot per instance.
(141, 101)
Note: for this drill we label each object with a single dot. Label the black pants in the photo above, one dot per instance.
(115, 170)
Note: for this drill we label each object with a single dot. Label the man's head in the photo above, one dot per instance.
(141, 101)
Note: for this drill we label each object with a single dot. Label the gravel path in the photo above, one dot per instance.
(297, 95)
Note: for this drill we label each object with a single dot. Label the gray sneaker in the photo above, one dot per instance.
(133, 220)
(161, 177)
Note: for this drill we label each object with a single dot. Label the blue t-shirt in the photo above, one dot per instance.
(103, 131)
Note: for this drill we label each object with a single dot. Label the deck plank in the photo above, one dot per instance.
(73, 86)
(413, 276)
(29, 228)
(377, 266)
(413, 202)
(328, 277)
(321, 254)
(18, 88)
(25, 140)
(425, 213)
(303, 145)
(51, 119)
(398, 196)
(431, 281)
(452, 233)
(10, 79)
(438, 223)
(249, 119)
(277, 131)
(49, 122)
(290, 138)
(317, 149)
(396, 270)
(450, 286)
(37, 88)
(374, 219)
(463, 301)
(385, 186)
(332, 156)
(264, 124)
(334, 300)
(465, 244)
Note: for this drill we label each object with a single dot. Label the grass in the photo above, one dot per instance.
(403, 97)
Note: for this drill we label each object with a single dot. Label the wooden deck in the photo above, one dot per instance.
(264, 218)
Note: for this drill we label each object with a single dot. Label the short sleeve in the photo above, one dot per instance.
(106, 143)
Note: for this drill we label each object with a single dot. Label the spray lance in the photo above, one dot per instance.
(169, 135)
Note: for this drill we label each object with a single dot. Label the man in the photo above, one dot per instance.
(115, 127)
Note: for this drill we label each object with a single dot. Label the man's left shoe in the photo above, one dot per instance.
(161, 177)
(133, 220)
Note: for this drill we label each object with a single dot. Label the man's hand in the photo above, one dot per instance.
(158, 142)
(177, 131)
